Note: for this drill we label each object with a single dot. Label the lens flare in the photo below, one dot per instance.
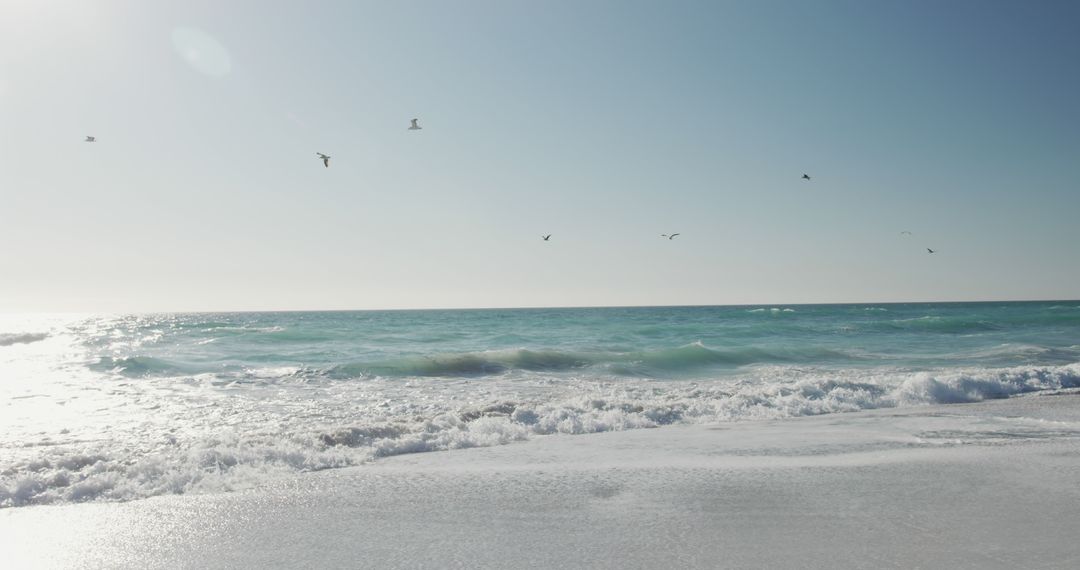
(202, 52)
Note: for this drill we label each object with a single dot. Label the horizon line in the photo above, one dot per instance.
(541, 307)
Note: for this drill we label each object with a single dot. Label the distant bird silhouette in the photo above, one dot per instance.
(325, 159)
(905, 233)
(90, 139)
(547, 237)
(672, 236)
(930, 250)
(415, 126)
(806, 177)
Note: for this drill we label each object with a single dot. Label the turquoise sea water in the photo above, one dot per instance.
(660, 342)
(121, 407)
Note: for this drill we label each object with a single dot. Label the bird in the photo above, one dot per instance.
(806, 177)
(672, 236)
(90, 139)
(547, 237)
(325, 159)
(905, 233)
(930, 250)
(415, 126)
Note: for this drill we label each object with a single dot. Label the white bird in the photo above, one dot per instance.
(806, 177)
(325, 159)
(415, 126)
(930, 250)
(905, 233)
(90, 139)
(672, 236)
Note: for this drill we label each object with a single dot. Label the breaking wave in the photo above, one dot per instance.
(136, 366)
(233, 459)
(646, 364)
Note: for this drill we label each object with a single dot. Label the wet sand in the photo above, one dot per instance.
(987, 485)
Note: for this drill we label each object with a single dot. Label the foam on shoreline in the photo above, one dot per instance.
(75, 468)
(987, 485)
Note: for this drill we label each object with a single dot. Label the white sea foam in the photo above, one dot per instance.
(125, 407)
(230, 437)
(8, 339)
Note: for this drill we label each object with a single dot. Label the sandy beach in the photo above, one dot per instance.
(521, 285)
(986, 485)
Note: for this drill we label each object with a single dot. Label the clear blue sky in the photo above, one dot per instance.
(603, 123)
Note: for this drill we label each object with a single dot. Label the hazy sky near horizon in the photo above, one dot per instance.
(605, 124)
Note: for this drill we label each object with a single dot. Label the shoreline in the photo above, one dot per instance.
(983, 485)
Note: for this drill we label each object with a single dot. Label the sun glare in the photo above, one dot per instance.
(201, 51)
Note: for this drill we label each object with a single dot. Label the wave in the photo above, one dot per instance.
(1020, 352)
(8, 339)
(648, 363)
(236, 459)
(469, 364)
(696, 356)
(973, 324)
(137, 366)
(933, 323)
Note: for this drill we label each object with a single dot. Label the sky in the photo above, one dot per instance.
(604, 124)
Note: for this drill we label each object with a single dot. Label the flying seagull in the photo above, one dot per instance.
(930, 250)
(415, 126)
(672, 236)
(806, 177)
(90, 139)
(547, 237)
(905, 233)
(325, 159)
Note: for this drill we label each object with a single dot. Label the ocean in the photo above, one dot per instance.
(121, 407)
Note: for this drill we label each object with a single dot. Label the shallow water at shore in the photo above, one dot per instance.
(105, 407)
